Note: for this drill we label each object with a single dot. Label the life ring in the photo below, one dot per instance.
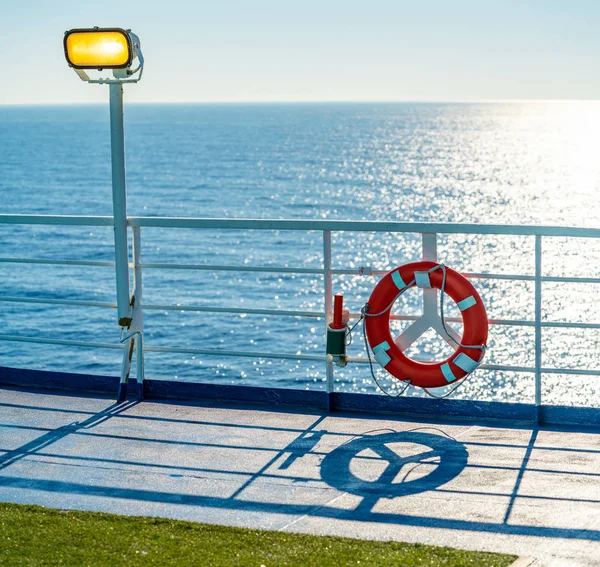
(377, 325)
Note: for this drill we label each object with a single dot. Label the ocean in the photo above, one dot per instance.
(517, 163)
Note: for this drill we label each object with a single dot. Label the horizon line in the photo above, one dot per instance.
(283, 102)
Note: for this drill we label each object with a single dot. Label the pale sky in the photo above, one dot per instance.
(313, 50)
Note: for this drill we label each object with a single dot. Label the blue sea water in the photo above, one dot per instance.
(530, 163)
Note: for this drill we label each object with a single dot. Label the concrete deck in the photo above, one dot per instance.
(526, 491)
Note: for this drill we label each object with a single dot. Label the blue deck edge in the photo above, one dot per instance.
(340, 401)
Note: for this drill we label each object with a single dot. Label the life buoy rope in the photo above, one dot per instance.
(389, 355)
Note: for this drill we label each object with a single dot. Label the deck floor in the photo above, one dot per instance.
(527, 491)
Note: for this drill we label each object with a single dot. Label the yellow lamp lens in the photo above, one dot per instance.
(98, 49)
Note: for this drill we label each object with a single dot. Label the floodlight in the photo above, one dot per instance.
(98, 49)
(104, 48)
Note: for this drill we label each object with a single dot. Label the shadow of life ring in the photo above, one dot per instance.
(445, 458)
(468, 354)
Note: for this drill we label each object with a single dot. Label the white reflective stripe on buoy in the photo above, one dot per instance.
(465, 362)
(447, 372)
(398, 280)
(422, 279)
(381, 356)
(466, 303)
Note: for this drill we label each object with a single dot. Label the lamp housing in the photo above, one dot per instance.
(98, 48)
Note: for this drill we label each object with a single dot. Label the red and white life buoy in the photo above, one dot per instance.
(426, 374)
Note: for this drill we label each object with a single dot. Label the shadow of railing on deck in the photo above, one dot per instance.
(53, 435)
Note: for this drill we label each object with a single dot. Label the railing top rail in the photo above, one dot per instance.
(362, 226)
(57, 220)
(308, 224)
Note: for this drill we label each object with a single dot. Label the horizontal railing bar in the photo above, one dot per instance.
(508, 367)
(507, 322)
(557, 279)
(49, 301)
(57, 220)
(396, 317)
(245, 354)
(487, 276)
(568, 325)
(472, 275)
(502, 367)
(283, 270)
(379, 273)
(282, 312)
(219, 268)
(356, 272)
(57, 262)
(365, 360)
(360, 272)
(523, 323)
(63, 342)
(242, 311)
(571, 371)
(234, 353)
(362, 226)
(552, 279)
(308, 224)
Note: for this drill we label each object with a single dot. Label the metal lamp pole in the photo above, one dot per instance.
(119, 194)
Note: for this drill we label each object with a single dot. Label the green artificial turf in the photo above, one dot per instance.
(32, 535)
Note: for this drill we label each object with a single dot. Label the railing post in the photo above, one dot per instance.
(138, 311)
(429, 242)
(538, 327)
(328, 306)
(134, 338)
(430, 296)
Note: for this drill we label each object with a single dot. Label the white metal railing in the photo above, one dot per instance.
(429, 232)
